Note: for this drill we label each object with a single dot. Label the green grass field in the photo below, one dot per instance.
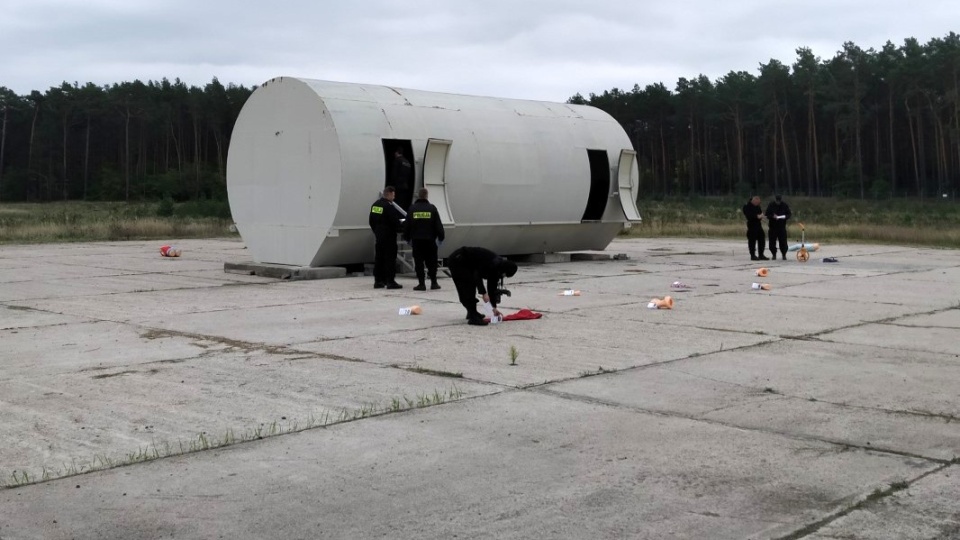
(26, 223)
(913, 222)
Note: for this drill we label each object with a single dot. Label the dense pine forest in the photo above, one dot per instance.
(863, 124)
(128, 141)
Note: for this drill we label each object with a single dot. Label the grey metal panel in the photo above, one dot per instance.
(434, 177)
(627, 177)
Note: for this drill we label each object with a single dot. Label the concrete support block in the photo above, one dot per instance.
(542, 258)
(282, 271)
(590, 256)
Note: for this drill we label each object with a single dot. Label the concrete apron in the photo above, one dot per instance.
(807, 409)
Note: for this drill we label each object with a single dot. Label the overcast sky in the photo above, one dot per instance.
(531, 49)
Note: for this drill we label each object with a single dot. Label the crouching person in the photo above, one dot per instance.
(470, 267)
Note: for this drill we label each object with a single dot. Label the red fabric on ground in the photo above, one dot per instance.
(522, 315)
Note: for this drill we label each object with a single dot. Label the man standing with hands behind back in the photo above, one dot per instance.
(755, 239)
(777, 215)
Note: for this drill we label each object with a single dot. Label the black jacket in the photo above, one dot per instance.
(777, 209)
(384, 218)
(402, 173)
(751, 212)
(480, 264)
(423, 222)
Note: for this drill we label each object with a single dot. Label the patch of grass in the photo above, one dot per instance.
(78, 221)
(599, 371)
(435, 372)
(117, 374)
(928, 222)
(514, 353)
(899, 485)
(208, 441)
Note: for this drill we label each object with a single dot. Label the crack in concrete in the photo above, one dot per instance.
(768, 390)
(246, 346)
(923, 326)
(234, 443)
(697, 418)
(612, 371)
(876, 321)
(864, 501)
(285, 351)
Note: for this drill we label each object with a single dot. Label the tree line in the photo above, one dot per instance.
(864, 123)
(128, 141)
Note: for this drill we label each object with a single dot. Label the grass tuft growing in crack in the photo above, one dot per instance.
(204, 441)
(434, 372)
(599, 371)
(899, 485)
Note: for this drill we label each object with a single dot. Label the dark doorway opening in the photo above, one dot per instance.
(599, 185)
(397, 173)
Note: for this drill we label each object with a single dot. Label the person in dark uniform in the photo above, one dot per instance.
(755, 237)
(777, 215)
(469, 268)
(424, 231)
(385, 223)
(401, 177)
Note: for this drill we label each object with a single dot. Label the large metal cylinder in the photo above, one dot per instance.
(308, 158)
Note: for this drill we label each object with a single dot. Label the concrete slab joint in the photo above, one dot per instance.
(823, 408)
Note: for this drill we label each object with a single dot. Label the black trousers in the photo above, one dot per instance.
(778, 235)
(385, 260)
(755, 240)
(465, 279)
(404, 198)
(425, 254)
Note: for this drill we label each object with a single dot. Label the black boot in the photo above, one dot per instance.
(434, 285)
(773, 255)
(420, 287)
(783, 255)
(762, 258)
(476, 319)
(753, 257)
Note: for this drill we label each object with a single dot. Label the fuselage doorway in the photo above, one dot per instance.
(401, 170)
(599, 186)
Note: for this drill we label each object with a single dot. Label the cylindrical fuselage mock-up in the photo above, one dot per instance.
(308, 158)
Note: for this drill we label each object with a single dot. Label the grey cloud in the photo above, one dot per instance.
(534, 49)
